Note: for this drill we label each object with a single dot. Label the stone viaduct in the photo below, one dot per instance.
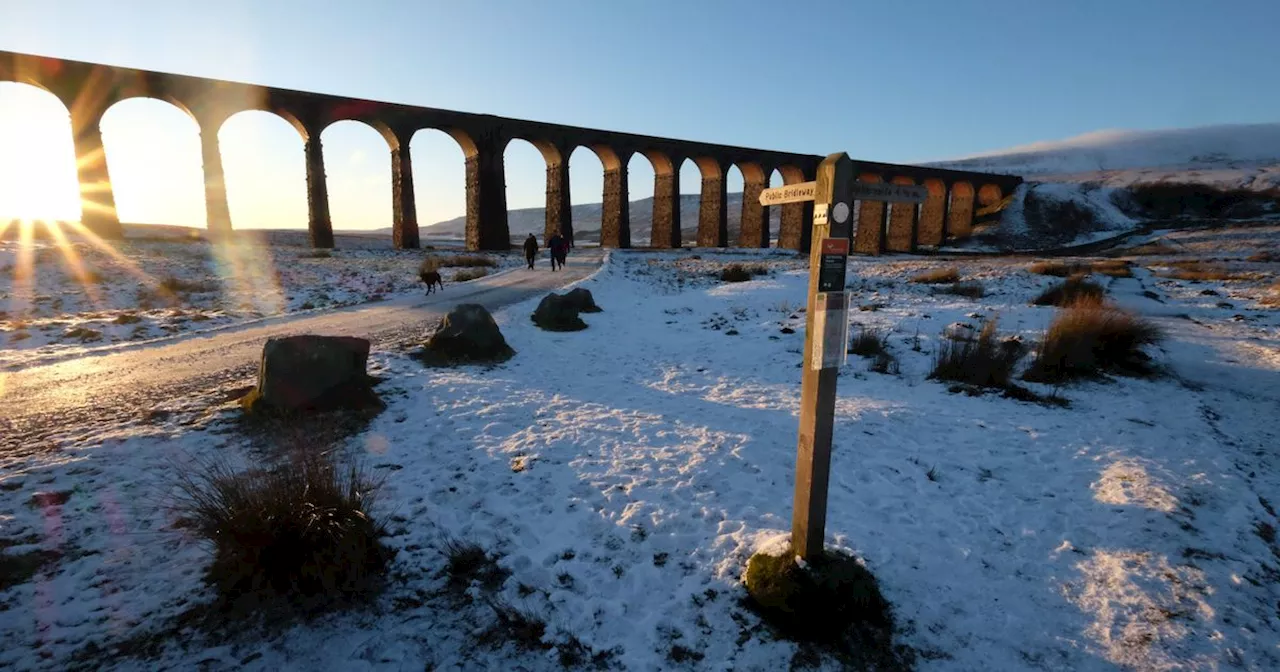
(89, 89)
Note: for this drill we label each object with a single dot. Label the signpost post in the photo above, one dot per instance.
(826, 337)
(826, 341)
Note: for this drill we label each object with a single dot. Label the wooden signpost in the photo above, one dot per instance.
(826, 337)
(826, 342)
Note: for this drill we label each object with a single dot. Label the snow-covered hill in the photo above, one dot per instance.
(1243, 156)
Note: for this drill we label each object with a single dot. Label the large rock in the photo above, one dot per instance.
(557, 312)
(304, 373)
(467, 334)
(583, 300)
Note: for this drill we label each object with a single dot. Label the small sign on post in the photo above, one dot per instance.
(889, 192)
(833, 264)
(790, 193)
(831, 327)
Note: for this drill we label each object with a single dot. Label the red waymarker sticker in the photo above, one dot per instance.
(835, 246)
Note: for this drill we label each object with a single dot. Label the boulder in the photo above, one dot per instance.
(557, 312)
(309, 372)
(583, 300)
(467, 334)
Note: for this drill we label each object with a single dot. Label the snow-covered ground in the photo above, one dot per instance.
(61, 299)
(625, 473)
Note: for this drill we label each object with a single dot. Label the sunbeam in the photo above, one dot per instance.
(23, 270)
(72, 261)
(247, 271)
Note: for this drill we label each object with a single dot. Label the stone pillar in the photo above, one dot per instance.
(902, 219)
(960, 222)
(791, 228)
(869, 237)
(404, 207)
(486, 201)
(929, 230)
(806, 226)
(217, 211)
(755, 217)
(318, 221)
(666, 211)
(713, 222)
(97, 201)
(615, 219)
(558, 209)
(867, 240)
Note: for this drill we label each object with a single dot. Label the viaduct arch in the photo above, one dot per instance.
(89, 89)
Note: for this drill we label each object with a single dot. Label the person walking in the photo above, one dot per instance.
(554, 245)
(562, 251)
(530, 250)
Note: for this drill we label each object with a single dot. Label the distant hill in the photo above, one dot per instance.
(586, 221)
(1242, 156)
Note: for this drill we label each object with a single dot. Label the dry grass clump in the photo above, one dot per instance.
(1116, 268)
(1072, 290)
(972, 289)
(1272, 297)
(1264, 257)
(1088, 339)
(1152, 249)
(937, 276)
(465, 261)
(742, 272)
(470, 274)
(174, 285)
(1059, 269)
(985, 362)
(867, 342)
(1195, 271)
(300, 535)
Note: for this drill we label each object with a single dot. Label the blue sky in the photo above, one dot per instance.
(889, 81)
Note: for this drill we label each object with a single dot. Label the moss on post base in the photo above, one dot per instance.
(817, 602)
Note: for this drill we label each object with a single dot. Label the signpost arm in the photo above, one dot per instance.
(818, 389)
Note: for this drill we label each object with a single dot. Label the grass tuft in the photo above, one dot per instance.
(1058, 269)
(985, 362)
(174, 285)
(300, 536)
(1072, 290)
(736, 272)
(468, 274)
(465, 261)
(1152, 250)
(867, 342)
(1086, 340)
(937, 276)
(1199, 272)
(469, 562)
(970, 289)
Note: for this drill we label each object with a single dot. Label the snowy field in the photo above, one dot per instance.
(59, 300)
(625, 473)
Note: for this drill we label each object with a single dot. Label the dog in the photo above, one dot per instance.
(432, 278)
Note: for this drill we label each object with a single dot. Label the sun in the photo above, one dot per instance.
(37, 157)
